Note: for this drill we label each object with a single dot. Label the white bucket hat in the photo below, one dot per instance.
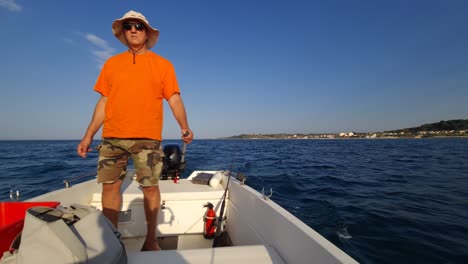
(119, 34)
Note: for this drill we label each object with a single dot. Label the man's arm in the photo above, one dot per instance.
(94, 125)
(178, 109)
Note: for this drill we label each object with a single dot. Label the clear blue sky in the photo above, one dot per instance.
(243, 66)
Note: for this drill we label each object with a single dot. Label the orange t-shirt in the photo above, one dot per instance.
(134, 92)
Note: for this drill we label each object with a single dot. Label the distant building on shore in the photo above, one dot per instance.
(349, 134)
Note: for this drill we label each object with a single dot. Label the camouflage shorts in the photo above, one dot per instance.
(146, 154)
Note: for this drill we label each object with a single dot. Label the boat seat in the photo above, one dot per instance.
(238, 254)
(182, 211)
(184, 190)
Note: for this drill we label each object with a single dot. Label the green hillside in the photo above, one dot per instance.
(456, 124)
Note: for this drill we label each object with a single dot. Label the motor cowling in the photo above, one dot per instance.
(173, 165)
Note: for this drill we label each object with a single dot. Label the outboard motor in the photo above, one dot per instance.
(174, 162)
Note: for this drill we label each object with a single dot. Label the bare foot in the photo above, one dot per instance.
(150, 246)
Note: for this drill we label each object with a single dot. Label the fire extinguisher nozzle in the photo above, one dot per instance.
(209, 205)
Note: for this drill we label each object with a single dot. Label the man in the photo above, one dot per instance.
(132, 85)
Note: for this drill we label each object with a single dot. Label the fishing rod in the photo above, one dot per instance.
(223, 204)
(220, 234)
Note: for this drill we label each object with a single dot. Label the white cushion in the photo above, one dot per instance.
(257, 254)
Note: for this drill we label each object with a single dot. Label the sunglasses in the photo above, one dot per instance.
(138, 26)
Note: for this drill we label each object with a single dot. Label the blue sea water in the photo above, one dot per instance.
(381, 201)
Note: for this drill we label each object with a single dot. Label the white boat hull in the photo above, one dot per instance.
(261, 230)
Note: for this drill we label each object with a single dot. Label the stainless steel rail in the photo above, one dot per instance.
(67, 181)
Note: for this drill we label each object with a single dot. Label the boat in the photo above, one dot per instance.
(257, 230)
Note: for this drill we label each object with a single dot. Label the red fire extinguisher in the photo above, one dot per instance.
(210, 221)
(176, 178)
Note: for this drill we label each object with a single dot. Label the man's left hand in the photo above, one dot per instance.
(187, 135)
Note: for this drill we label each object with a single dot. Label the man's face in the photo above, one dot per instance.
(135, 32)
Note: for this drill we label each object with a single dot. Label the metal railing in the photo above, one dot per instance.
(67, 181)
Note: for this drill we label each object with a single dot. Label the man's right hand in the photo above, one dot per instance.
(83, 147)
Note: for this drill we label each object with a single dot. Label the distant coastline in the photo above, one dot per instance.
(337, 136)
(457, 128)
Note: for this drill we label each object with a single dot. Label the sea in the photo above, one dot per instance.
(379, 200)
